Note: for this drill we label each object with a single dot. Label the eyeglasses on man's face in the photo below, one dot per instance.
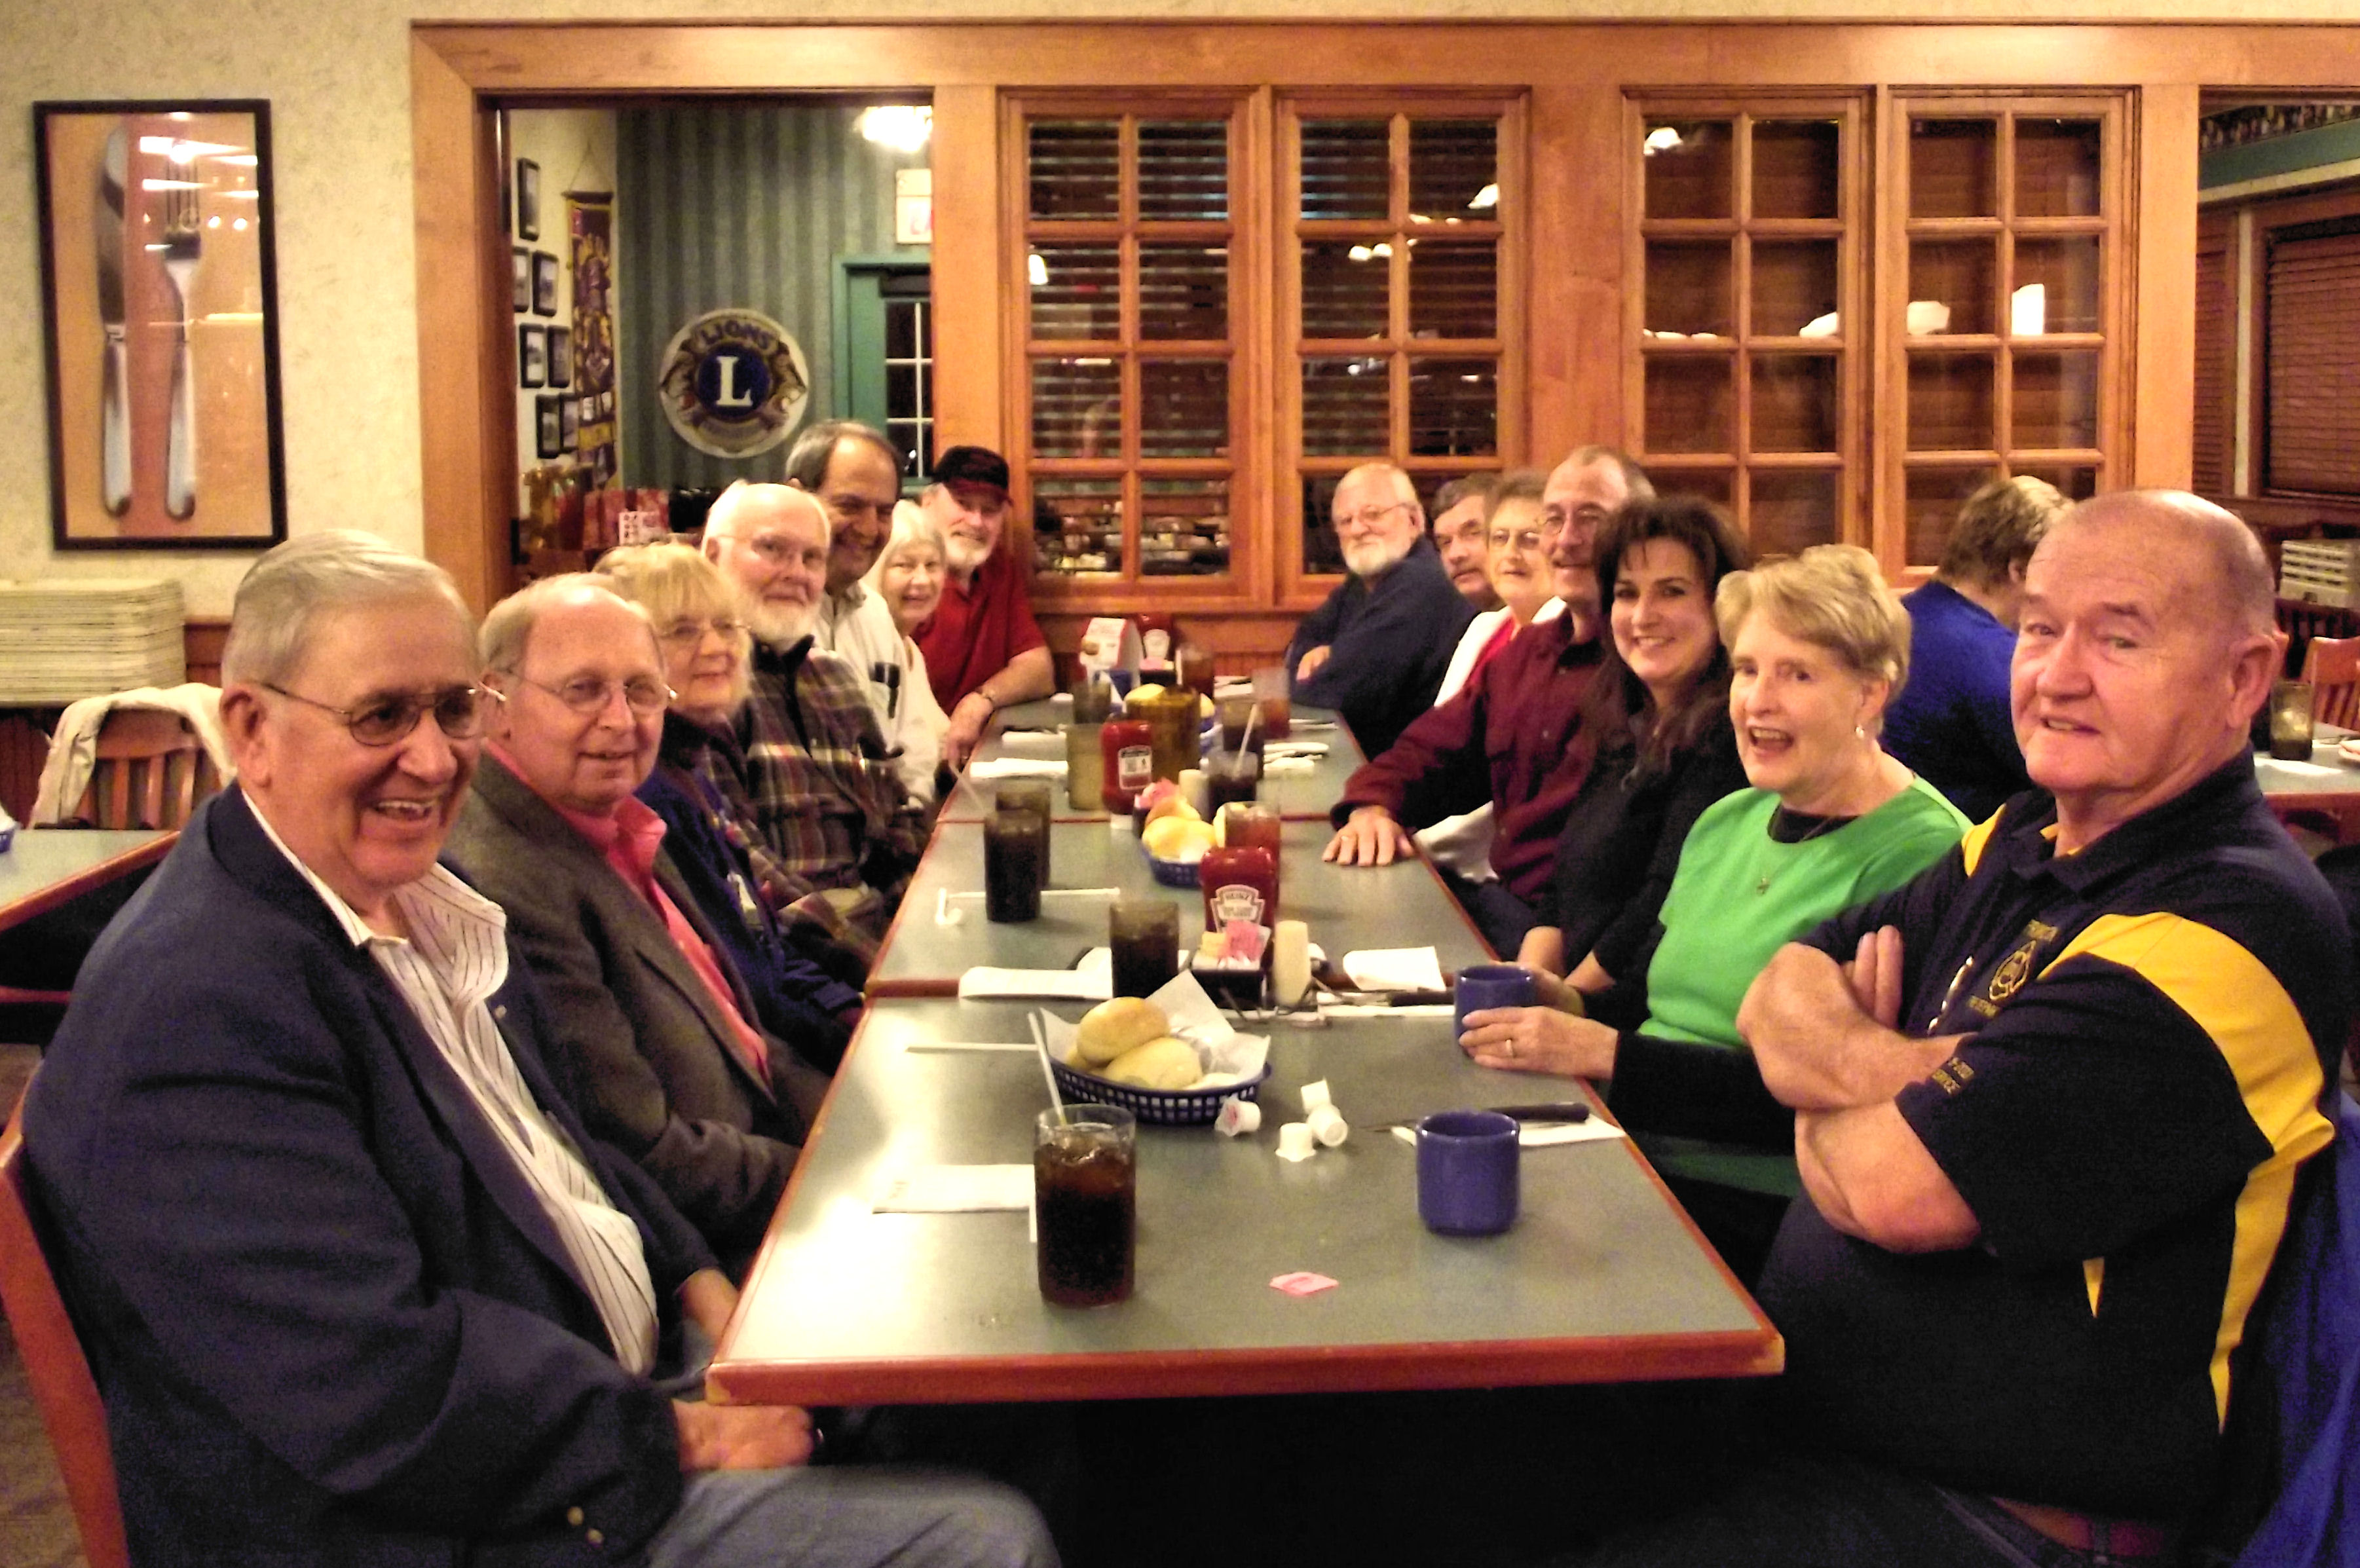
(589, 695)
(387, 717)
(1368, 517)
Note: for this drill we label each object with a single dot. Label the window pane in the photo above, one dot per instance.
(1344, 408)
(1183, 291)
(909, 439)
(1797, 170)
(1706, 483)
(1931, 502)
(1452, 166)
(1791, 512)
(1078, 524)
(1346, 169)
(1077, 407)
(1454, 407)
(1953, 169)
(1793, 284)
(901, 391)
(1345, 288)
(2056, 169)
(1076, 169)
(1960, 276)
(2068, 272)
(1184, 408)
(2075, 481)
(1184, 528)
(1794, 402)
(1077, 291)
(1689, 169)
(1688, 403)
(1453, 289)
(1688, 288)
(1320, 551)
(1950, 403)
(1184, 171)
(2055, 400)
(901, 329)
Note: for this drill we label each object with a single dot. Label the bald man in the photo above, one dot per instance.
(1377, 649)
(2050, 1098)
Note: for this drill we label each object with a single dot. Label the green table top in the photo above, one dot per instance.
(47, 866)
(1601, 1278)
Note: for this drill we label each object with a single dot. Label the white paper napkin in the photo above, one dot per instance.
(1394, 969)
(956, 1190)
(1092, 980)
(2307, 769)
(991, 767)
(1294, 748)
(1052, 740)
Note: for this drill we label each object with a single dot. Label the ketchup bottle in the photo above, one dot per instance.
(1127, 748)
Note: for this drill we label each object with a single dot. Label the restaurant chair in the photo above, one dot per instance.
(151, 772)
(55, 1365)
(2310, 1366)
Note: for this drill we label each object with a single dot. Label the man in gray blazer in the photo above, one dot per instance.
(678, 1071)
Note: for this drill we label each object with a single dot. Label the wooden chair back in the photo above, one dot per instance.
(2332, 667)
(151, 772)
(55, 1365)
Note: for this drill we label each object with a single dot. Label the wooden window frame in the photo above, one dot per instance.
(1298, 588)
(1855, 271)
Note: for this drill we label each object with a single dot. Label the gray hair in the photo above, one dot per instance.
(2238, 588)
(721, 518)
(911, 526)
(813, 449)
(509, 627)
(1636, 482)
(283, 596)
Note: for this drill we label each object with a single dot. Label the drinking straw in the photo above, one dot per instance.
(1041, 1043)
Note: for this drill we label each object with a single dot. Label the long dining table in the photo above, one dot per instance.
(1601, 1278)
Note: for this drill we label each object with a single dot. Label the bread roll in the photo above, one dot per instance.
(1166, 1063)
(1114, 1027)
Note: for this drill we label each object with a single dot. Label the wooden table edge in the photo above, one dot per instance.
(1758, 1352)
(88, 878)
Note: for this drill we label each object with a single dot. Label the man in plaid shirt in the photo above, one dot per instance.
(834, 836)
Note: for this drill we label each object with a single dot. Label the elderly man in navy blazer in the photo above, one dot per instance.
(356, 1283)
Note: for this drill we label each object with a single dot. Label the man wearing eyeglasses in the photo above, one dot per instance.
(678, 1072)
(1377, 649)
(856, 475)
(356, 1282)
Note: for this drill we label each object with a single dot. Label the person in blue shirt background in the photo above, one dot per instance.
(1950, 724)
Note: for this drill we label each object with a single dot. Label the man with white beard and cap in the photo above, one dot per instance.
(983, 649)
(815, 786)
(1377, 649)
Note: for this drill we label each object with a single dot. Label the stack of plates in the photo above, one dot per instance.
(64, 639)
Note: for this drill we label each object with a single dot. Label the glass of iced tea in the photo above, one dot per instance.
(1086, 1195)
(1145, 937)
(1035, 795)
(1275, 698)
(1011, 864)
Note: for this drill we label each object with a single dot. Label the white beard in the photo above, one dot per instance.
(965, 555)
(782, 626)
(1374, 557)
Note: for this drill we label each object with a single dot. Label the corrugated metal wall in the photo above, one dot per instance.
(746, 205)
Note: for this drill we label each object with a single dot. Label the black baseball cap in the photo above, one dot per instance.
(975, 467)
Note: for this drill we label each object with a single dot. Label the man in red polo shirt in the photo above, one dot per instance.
(983, 649)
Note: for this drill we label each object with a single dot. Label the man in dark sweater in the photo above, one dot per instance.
(1377, 649)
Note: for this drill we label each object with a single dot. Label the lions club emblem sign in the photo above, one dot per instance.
(734, 382)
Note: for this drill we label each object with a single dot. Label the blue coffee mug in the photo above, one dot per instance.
(1467, 1172)
(1482, 986)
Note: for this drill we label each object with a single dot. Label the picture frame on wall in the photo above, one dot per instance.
(159, 287)
(544, 283)
(569, 420)
(528, 211)
(532, 356)
(521, 283)
(561, 357)
(549, 421)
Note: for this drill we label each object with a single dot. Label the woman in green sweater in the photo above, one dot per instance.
(1819, 645)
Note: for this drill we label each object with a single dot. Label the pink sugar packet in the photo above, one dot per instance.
(1303, 1284)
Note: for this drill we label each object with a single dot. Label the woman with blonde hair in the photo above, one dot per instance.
(907, 578)
(1818, 645)
(700, 624)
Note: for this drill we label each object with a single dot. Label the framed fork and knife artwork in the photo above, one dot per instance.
(158, 278)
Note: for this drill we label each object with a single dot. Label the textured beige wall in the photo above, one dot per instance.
(337, 75)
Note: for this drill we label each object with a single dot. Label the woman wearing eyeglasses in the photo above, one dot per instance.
(704, 644)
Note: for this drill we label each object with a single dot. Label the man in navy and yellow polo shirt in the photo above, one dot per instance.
(2050, 1098)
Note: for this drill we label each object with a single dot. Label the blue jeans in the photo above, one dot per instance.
(1798, 1512)
(850, 1518)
